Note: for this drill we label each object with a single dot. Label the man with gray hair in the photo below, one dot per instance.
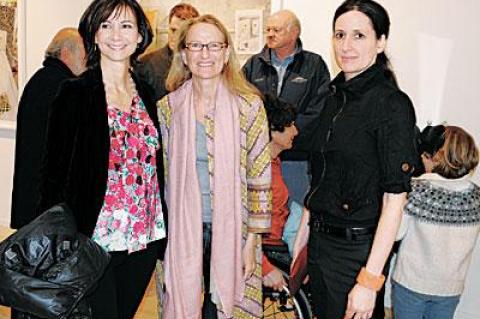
(64, 59)
(297, 76)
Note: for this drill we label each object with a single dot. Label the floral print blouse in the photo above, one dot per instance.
(131, 215)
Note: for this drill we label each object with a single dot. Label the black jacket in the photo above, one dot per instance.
(305, 86)
(78, 145)
(154, 67)
(47, 267)
(363, 147)
(37, 98)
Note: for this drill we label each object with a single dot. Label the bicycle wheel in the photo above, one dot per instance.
(283, 305)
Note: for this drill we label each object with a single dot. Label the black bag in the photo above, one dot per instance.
(47, 267)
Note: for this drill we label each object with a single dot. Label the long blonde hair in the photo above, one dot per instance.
(232, 74)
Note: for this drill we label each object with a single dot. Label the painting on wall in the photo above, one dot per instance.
(8, 60)
(244, 16)
(248, 31)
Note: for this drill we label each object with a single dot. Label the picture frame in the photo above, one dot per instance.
(248, 31)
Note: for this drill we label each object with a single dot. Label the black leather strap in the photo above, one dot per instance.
(349, 233)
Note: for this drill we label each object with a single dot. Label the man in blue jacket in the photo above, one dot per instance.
(297, 76)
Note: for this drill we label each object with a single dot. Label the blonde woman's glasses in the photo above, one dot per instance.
(211, 46)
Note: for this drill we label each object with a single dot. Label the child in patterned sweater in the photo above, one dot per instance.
(440, 226)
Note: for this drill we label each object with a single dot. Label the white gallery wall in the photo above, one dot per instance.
(42, 20)
(434, 48)
(38, 22)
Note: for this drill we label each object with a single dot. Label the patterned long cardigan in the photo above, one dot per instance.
(255, 183)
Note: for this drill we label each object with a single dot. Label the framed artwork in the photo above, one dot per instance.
(246, 16)
(248, 31)
(8, 60)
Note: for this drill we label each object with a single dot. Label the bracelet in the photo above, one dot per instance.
(369, 280)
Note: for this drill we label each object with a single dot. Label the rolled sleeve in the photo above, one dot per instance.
(396, 143)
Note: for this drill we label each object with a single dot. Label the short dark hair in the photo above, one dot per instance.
(183, 11)
(98, 12)
(280, 114)
(431, 139)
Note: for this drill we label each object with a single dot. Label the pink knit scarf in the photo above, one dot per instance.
(183, 259)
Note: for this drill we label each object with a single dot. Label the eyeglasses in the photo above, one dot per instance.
(211, 46)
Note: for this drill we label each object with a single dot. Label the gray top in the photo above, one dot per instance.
(203, 174)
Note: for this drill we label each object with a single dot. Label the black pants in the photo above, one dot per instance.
(209, 309)
(123, 285)
(333, 265)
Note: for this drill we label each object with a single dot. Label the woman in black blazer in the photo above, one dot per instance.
(104, 155)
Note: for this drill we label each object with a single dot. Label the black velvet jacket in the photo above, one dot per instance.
(37, 98)
(75, 169)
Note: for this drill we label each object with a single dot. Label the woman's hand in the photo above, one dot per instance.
(274, 280)
(249, 260)
(361, 302)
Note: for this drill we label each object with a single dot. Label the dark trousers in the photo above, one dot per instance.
(209, 309)
(333, 265)
(123, 285)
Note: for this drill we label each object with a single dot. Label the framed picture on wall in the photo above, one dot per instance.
(8, 60)
(248, 31)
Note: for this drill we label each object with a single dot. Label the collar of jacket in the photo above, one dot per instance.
(94, 77)
(57, 63)
(360, 83)
(265, 55)
(169, 52)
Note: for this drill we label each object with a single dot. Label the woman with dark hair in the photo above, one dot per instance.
(362, 160)
(281, 119)
(104, 155)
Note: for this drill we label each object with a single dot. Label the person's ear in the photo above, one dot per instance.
(381, 44)
(65, 55)
(227, 55)
(183, 55)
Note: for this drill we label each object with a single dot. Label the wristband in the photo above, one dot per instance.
(369, 280)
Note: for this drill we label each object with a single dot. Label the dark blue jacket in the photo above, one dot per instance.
(305, 86)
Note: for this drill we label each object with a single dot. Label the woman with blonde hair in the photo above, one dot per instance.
(215, 135)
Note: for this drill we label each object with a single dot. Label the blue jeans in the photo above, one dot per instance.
(408, 304)
(292, 224)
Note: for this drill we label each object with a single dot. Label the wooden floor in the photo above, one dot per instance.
(147, 309)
